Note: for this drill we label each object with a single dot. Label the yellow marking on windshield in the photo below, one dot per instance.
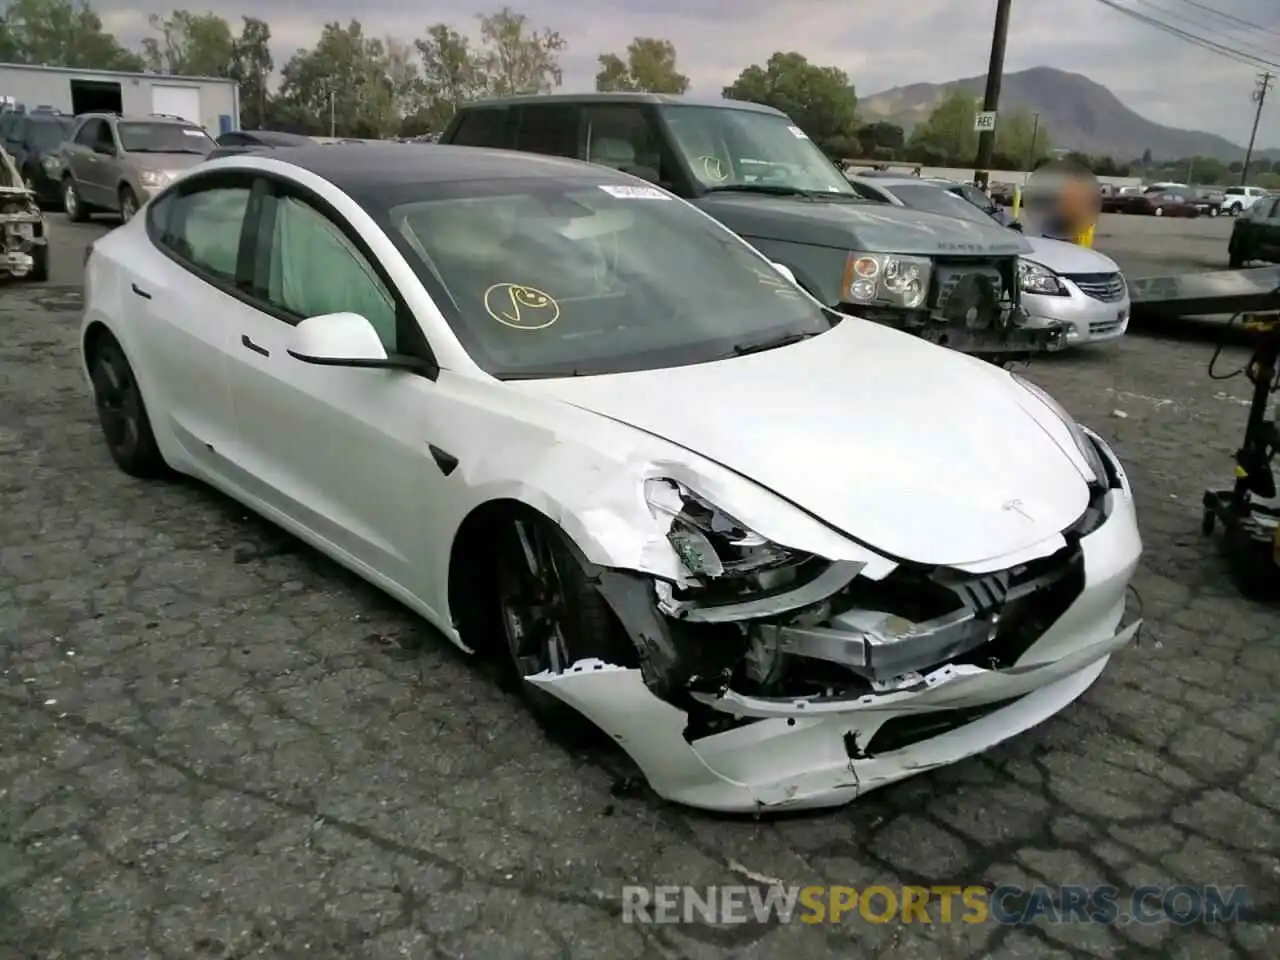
(521, 307)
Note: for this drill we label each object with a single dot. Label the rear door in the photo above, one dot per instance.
(184, 293)
(1267, 229)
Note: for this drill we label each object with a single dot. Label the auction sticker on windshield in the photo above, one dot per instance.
(633, 193)
(194, 133)
(798, 133)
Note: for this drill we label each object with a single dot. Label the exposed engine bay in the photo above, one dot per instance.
(24, 235)
(973, 307)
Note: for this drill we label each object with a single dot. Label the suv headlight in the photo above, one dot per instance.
(890, 279)
(709, 542)
(1034, 278)
(1086, 446)
(154, 178)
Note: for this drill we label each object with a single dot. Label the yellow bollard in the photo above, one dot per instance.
(1017, 201)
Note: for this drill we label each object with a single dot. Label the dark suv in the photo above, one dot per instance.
(33, 140)
(952, 281)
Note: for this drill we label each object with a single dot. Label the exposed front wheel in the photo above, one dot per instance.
(551, 615)
(122, 413)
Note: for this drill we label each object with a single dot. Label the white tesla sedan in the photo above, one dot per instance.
(782, 555)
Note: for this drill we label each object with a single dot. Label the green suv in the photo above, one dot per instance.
(952, 281)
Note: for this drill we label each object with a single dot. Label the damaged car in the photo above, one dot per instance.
(781, 554)
(25, 255)
(752, 168)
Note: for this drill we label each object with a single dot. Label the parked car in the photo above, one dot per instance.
(782, 555)
(1209, 202)
(113, 164)
(1237, 200)
(33, 140)
(24, 233)
(1256, 233)
(1118, 199)
(971, 195)
(1160, 204)
(755, 171)
(1062, 283)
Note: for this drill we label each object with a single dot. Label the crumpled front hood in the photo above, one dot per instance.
(918, 452)
(865, 227)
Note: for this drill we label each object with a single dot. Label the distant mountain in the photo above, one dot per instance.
(1078, 113)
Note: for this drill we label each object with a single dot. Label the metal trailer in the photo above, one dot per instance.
(211, 102)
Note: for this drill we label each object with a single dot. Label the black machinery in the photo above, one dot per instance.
(1253, 529)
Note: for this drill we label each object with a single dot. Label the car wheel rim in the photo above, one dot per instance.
(69, 200)
(533, 604)
(128, 207)
(117, 400)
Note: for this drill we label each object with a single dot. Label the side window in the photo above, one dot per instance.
(89, 132)
(203, 228)
(484, 128)
(314, 269)
(622, 137)
(550, 129)
(107, 136)
(1274, 212)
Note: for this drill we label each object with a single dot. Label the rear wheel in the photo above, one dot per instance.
(1158, 211)
(40, 265)
(122, 413)
(128, 204)
(551, 615)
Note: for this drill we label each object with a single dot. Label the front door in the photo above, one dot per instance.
(1266, 228)
(342, 451)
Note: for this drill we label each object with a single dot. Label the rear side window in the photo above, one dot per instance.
(1235, 192)
(550, 129)
(484, 128)
(203, 228)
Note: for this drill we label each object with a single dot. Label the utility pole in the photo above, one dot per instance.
(333, 122)
(1259, 97)
(1035, 136)
(991, 98)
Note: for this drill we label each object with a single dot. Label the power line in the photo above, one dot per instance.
(1247, 24)
(1217, 34)
(1195, 39)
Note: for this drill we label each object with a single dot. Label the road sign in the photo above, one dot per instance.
(984, 121)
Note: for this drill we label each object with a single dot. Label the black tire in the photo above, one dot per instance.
(72, 205)
(128, 204)
(1207, 523)
(40, 270)
(1234, 260)
(543, 599)
(122, 413)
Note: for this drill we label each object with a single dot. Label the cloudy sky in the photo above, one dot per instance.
(879, 43)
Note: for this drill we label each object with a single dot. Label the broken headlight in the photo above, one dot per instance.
(887, 279)
(709, 542)
(1035, 278)
(1086, 446)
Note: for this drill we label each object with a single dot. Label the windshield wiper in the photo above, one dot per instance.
(782, 190)
(785, 340)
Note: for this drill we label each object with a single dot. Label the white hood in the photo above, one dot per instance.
(916, 451)
(1063, 257)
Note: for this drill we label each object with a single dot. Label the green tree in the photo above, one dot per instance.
(650, 65)
(517, 58)
(1269, 180)
(62, 33)
(1207, 171)
(190, 44)
(820, 100)
(881, 135)
(340, 85)
(948, 132)
(399, 63)
(1022, 139)
(251, 66)
(452, 71)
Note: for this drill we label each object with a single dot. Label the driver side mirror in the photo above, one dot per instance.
(348, 340)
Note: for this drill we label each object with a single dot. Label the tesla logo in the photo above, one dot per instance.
(1016, 506)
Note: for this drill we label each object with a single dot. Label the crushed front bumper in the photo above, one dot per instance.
(807, 752)
(1084, 318)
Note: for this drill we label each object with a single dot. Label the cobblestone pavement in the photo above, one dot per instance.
(215, 744)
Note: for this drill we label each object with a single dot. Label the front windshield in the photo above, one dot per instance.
(922, 196)
(575, 277)
(142, 137)
(47, 134)
(727, 147)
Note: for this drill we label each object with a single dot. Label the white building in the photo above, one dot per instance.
(212, 102)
